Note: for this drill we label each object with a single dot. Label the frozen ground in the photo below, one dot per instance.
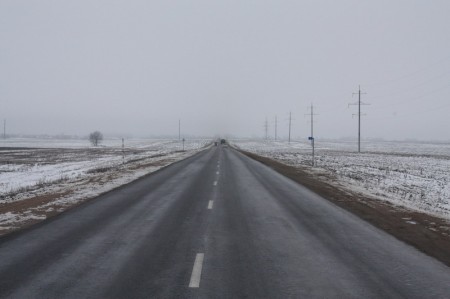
(410, 174)
(41, 177)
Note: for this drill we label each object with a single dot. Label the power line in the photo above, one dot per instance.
(411, 74)
(359, 103)
(405, 90)
(412, 99)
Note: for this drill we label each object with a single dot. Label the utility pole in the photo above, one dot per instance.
(275, 127)
(359, 103)
(266, 127)
(123, 151)
(179, 129)
(311, 114)
(290, 121)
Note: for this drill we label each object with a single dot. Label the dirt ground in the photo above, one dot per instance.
(428, 234)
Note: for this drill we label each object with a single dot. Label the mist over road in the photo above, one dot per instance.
(216, 225)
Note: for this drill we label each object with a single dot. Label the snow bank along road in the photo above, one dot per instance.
(216, 225)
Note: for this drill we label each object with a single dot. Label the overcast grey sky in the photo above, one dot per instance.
(136, 67)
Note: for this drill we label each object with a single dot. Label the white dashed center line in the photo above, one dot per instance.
(217, 172)
(210, 205)
(215, 183)
(197, 271)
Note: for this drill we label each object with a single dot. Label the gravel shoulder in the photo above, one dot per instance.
(427, 233)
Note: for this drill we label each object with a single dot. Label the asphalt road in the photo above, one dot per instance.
(216, 225)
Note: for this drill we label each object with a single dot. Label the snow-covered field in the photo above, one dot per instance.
(26, 163)
(410, 174)
(61, 173)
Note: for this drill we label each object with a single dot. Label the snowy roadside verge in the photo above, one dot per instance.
(415, 176)
(33, 202)
(427, 233)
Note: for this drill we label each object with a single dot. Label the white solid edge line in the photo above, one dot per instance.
(210, 205)
(197, 271)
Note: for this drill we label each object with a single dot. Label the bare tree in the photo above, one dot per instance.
(95, 138)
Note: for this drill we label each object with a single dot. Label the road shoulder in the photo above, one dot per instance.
(429, 234)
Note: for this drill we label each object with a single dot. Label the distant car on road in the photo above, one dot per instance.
(223, 141)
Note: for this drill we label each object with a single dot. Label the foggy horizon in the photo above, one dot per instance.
(136, 68)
